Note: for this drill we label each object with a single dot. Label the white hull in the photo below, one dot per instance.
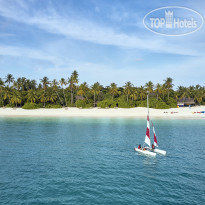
(159, 151)
(147, 152)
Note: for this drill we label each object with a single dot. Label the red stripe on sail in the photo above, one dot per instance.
(147, 133)
(155, 138)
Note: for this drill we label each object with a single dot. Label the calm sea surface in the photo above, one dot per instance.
(92, 161)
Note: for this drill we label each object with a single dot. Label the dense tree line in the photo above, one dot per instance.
(26, 93)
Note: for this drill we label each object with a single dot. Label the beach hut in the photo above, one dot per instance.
(79, 97)
(185, 102)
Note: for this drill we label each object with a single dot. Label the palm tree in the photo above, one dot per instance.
(163, 90)
(191, 91)
(1, 89)
(96, 89)
(52, 97)
(113, 89)
(168, 85)
(33, 84)
(149, 86)
(62, 83)
(7, 94)
(16, 98)
(9, 79)
(158, 90)
(23, 83)
(54, 84)
(183, 92)
(75, 76)
(32, 96)
(134, 94)
(142, 92)
(198, 94)
(127, 89)
(45, 83)
(73, 81)
(83, 89)
(19, 84)
(43, 98)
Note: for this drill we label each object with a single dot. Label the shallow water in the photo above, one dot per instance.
(92, 161)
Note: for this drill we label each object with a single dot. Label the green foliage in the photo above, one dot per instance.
(55, 94)
(153, 103)
(83, 104)
(172, 103)
(142, 103)
(10, 105)
(161, 105)
(31, 106)
(53, 106)
(122, 103)
(80, 103)
(106, 103)
(89, 105)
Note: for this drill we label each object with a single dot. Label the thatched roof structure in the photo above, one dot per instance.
(185, 101)
(79, 97)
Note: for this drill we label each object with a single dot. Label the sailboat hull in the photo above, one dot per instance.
(146, 152)
(159, 151)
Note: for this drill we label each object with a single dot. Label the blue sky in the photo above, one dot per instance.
(103, 40)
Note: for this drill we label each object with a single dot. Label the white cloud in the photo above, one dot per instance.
(52, 22)
(27, 52)
(183, 73)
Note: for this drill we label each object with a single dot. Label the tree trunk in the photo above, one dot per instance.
(157, 96)
(1, 96)
(71, 97)
(94, 99)
(64, 97)
(44, 99)
(59, 98)
(168, 94)
(127, 98)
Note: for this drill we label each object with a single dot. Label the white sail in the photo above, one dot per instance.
(147, 138)
(155, 137)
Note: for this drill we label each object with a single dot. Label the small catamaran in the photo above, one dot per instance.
(148, 150)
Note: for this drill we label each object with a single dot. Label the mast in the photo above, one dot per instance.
(148, 114)
(148, 103)
(147, 137)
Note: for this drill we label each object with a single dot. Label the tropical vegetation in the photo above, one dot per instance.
(67, 92)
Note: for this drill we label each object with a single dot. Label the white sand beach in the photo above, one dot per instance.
(182, 112)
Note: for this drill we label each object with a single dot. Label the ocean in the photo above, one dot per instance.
(92, 161)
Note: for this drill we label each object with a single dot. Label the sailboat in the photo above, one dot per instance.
(148, 150)
(154, 149)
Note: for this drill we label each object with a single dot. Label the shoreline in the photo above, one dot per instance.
(138, 112)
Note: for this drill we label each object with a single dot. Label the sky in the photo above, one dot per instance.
(105, 41)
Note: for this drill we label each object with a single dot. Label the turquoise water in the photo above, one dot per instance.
(92, 161)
